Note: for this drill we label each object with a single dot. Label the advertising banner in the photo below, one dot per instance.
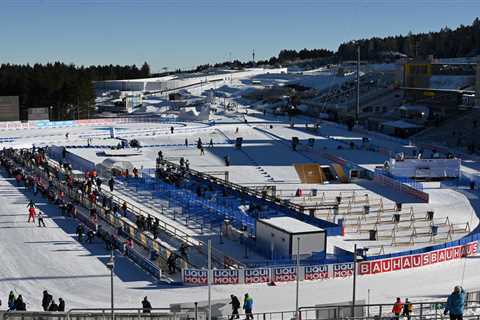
(226, 276)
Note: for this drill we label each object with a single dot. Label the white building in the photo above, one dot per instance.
(280, 236)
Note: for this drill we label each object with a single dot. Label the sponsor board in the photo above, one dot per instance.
(226, 276)
(419, 260)
(195, 276)
(316, 272)
(342, 270)
(284, 274)
(260, 275)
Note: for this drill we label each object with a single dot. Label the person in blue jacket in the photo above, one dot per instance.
(455, 304)
(248, 306)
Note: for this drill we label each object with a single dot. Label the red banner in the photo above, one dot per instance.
(419, 260)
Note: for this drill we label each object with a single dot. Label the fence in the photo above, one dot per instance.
(398, 186)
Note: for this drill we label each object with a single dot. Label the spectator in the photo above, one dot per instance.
(235, 306)
(407, 309)
(147, 307)
(397, 308)
(248, 306)
(455, 304)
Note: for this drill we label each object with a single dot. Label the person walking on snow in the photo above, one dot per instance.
(397, 308)
(61, 305)
(235, 306)
(248, 306)
(186, 142)
(40, 216)
(407, 309)
(146, 305)
(455, 304)
(31, 214)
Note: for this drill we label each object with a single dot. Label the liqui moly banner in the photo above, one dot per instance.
(342, 270)
(195, 276)
(259, 275)
(284, 274)
(226, 276)
(419, 260)
(316, 272)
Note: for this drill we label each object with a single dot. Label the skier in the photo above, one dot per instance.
(46, 300)
(397, 308)
(40, 216)
(455, 304)
(248, 306)
(146, 306)
(202, 151)
(187, 164)
(171, 130)
(31, 214)
(110, 184)
(61, 305)
(235, 306)
(236, 130)
(80, 231)
(227, 161)
(210, 144)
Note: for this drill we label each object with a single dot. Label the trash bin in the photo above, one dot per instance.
(311, 212)
(430, 215)
(398, 205)
(314, 192)
(396, 217)
(434, 230)
(339, 199)
(372, 235)
(366, 209)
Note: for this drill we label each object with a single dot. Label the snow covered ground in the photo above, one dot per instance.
(34, 259)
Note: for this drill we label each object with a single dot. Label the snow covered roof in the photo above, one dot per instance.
(290, 225)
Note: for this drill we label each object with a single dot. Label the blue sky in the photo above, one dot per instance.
(184, 33)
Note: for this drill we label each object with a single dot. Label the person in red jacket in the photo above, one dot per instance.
(397, 308)
(31, 214)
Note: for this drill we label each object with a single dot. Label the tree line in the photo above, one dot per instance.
(64, 88)
(69, 91)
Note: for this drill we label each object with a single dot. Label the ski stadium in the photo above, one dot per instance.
(218, 197)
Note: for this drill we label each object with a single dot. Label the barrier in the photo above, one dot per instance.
(398, 186)
(265, 275)
(417, 260)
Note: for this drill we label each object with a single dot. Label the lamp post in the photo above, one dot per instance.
(354, 291)
(111, 267)
(297, 317)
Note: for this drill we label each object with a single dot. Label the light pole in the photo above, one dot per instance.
(357, 111)
(354, 279)
(111, 267)
(298, 279)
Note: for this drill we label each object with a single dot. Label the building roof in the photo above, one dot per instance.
(290, 225)
(401, 124)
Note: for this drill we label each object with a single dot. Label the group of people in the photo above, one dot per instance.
(32, 214)
(16, 303)
(454, 307)
(247, 306)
